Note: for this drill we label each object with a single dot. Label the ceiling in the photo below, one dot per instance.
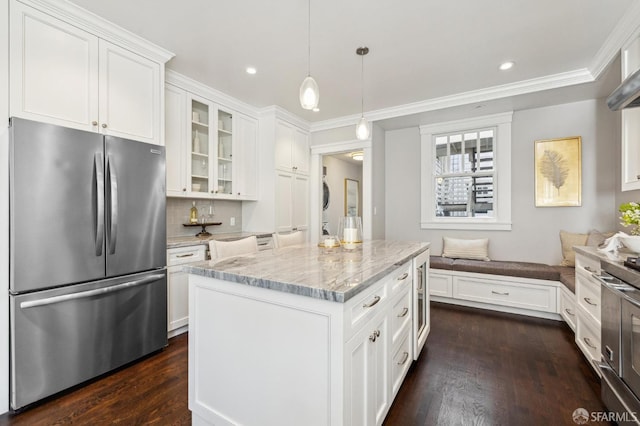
(429, 55)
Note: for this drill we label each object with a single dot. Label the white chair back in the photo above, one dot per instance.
(220, 249)
(290, 239)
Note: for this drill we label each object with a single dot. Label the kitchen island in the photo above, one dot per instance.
(303, 334)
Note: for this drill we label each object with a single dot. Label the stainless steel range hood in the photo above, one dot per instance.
(627, 95)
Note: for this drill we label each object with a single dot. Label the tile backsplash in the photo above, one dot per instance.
(178, 213)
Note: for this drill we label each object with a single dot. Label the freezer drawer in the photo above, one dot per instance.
(65, 336)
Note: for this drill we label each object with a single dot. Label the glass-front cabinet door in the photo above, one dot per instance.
(225, 150)
(200, 134)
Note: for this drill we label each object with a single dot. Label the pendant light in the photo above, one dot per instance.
(362, 128)
(309, 91)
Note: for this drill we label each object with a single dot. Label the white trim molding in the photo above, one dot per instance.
(502, 175)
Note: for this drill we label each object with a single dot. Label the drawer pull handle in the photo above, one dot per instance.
(374, 335)
(372, 303)
(589, 269)
(185, 255)
(586, 299)
(405, 357)
(588, 342)
(569, 312)
(404, 312)
(403, 276)
(500, 294)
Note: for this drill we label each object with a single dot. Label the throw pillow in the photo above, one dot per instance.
(597, 238)
(567, 241)
(465, 249)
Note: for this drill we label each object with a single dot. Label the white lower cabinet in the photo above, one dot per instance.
(304, 360)
(567, 308)
(588, 308)
(367, 372)
(178, 286)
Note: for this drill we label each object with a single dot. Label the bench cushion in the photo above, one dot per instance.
(564, 274)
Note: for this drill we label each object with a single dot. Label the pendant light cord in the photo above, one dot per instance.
(309, 38)
(362, 86)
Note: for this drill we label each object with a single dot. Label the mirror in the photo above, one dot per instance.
(351, 195)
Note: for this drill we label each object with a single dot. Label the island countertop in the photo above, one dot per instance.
(308, 270)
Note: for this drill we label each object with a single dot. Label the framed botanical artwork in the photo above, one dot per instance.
(558, 172)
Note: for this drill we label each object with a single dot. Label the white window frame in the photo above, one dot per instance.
(501, 221)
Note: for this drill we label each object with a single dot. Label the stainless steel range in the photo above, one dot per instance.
(620, 366)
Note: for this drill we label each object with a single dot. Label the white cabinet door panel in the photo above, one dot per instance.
(175, 140)
(247, 165)
(301, 202)
(284, 207)
(53, 70)
(129, 94)
(300, 152)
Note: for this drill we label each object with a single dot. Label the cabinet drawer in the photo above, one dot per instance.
(568, 308)
(401, 279)
(363, 307)
(440, 285)
(587, 335)
(587, 265)
(525, 296)
(401, 315)
(588, 296)
(184, 255)
(400, 363)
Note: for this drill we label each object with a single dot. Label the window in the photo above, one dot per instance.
(466, 174)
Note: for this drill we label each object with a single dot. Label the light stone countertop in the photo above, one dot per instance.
(616, 257)
(173, 242)
(308, 270)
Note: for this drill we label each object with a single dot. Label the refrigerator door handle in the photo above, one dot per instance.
(89, 293)
(98, 165)
(113, 203)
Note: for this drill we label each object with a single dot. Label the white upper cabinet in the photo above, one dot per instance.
(175, 141)
(291, 149)
(211, 150)
(129, 96)
(64, 74)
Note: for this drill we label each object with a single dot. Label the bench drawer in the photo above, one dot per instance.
(524, 296)
(440, 285)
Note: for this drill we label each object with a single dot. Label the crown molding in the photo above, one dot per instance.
(627, 28)
(100, 27)
(476, 96)
(193, 86)
(282, 114)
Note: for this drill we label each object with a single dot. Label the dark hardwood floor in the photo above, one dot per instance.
(478, 368)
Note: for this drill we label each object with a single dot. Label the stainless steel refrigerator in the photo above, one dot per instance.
(88, 286)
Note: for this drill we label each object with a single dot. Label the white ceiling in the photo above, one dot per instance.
(421, 51)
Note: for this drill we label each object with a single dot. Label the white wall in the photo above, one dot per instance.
(4, 206)
(337, 171)
(378, 195)
(534, 235)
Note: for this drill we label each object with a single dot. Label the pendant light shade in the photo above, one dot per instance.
(309, 93)
(362, 128)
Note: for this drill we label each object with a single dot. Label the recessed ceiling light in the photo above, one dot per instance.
(358, 155)
(316, 109)
(251, 70)
(506, 65)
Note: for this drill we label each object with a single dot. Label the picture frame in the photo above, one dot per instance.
(351, 197)
(558, 172)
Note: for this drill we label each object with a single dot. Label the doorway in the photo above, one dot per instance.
(341, 189)
(334, 155)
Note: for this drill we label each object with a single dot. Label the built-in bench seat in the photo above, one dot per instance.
(520, 287)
